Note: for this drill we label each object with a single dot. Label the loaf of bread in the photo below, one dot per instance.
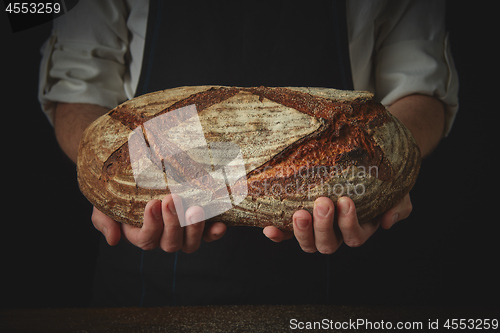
(248, 156)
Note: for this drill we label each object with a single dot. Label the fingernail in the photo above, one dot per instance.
(322, 209)
(171, 208)
(157, 211)
(395, 218)
(302, 223)
(196, 218)
(344, 206)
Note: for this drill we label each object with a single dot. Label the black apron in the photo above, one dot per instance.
(234, 43)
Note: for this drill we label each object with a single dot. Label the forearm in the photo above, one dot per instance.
(424, 117)
(69, 123)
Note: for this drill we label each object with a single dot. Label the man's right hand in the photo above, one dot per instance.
(161, 228)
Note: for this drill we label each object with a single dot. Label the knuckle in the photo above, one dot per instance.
(348, 227)
(148, 246)
(196, 228)
(327, 249)
(354, 242)
(323, 227)
(170, 248)
(302, 237)
(143, 243)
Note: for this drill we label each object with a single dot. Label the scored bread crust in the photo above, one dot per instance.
(280, 132)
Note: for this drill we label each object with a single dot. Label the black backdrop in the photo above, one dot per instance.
(446, 253)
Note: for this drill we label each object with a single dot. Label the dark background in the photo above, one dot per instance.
(446, 253)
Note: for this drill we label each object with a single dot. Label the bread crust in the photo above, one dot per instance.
(296, 143)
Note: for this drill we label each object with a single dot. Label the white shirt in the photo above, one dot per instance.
(397, 48)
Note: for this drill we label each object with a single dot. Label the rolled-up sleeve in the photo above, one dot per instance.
(413, 56)
(83, 61)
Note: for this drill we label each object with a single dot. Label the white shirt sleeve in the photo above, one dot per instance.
(84, 60)
(397, 48)
(410, 51)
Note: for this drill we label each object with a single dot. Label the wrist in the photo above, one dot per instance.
(70, 121)
(424, 116)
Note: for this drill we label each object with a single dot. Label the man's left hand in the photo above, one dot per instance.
(319, 233)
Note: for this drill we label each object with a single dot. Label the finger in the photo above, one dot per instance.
(148, 236)
(195, 217)
(303, 230)
(397, 213)
(107, 226)
(276, 235)
(323, 214)
(273, 233)
(353, 233)
(214, 231)
(173, 234)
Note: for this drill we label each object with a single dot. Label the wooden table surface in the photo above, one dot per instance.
(264, 318)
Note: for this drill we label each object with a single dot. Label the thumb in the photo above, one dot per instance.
(107, 226)
(397, 213)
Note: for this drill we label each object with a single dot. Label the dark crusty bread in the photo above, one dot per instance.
(295, 145)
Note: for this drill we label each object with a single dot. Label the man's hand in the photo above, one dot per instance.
(424, 117)
(161, 228)
(320, 232)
